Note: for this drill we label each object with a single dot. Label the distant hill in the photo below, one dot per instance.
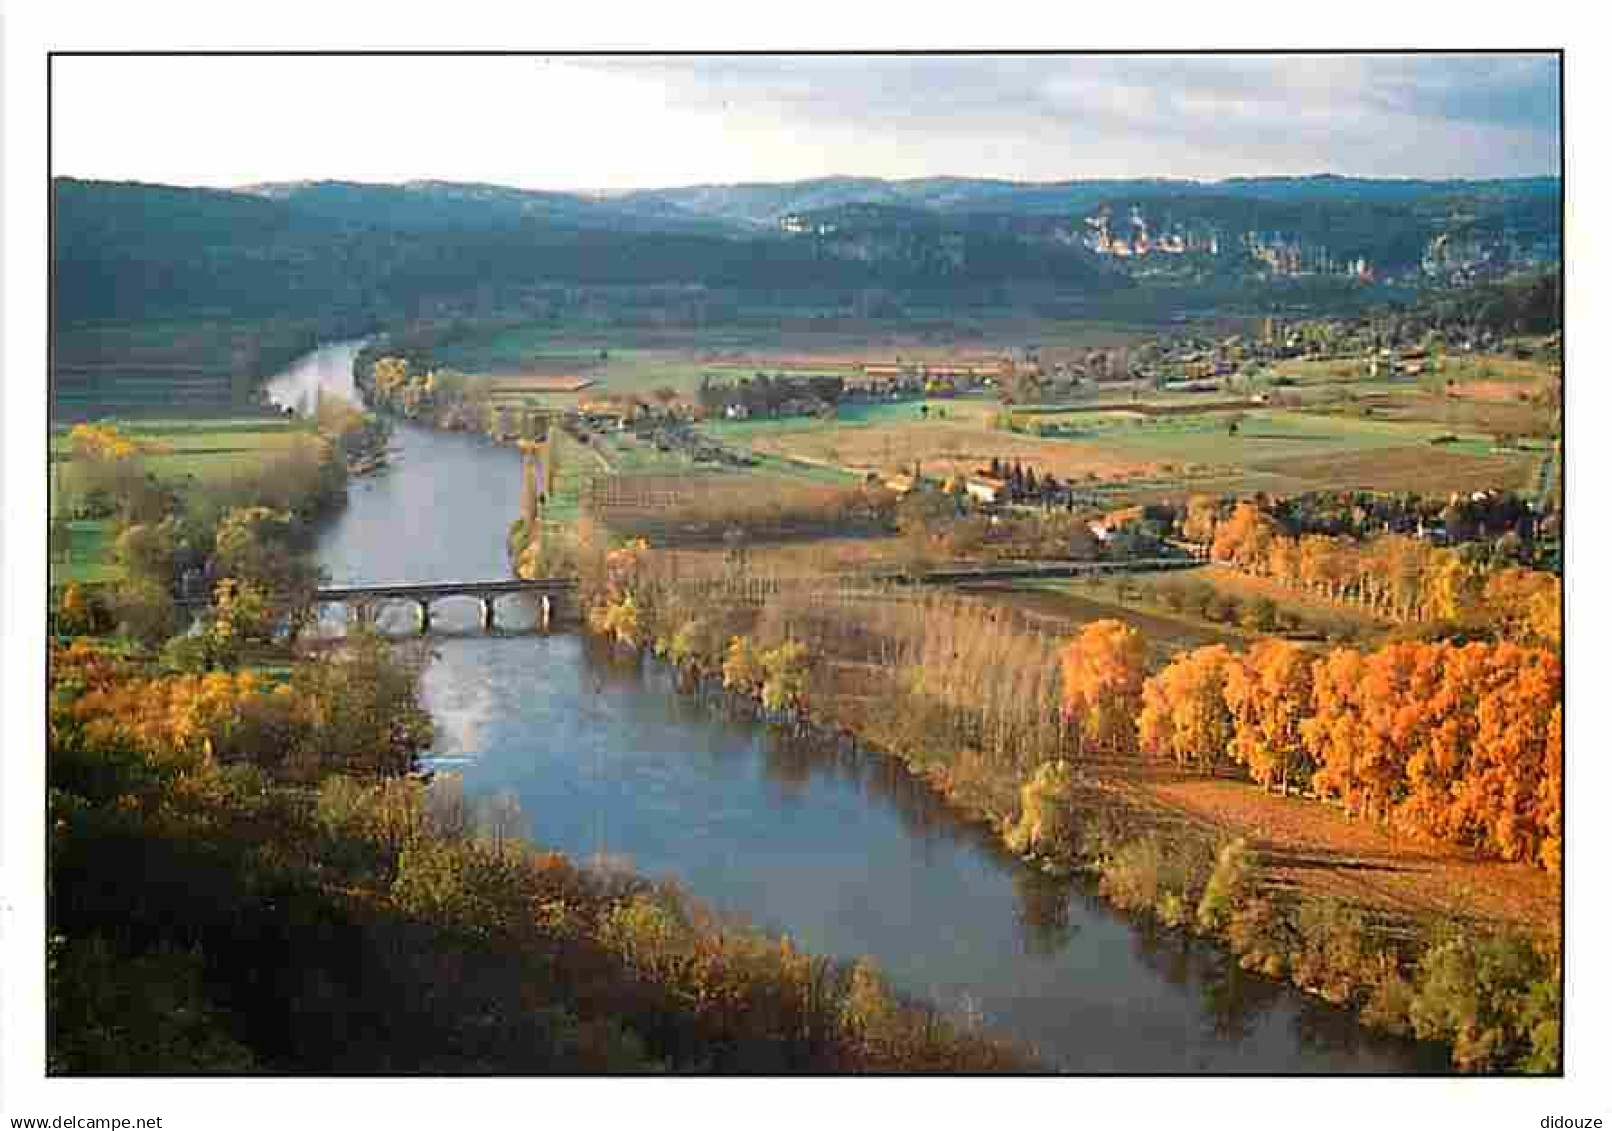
(447, 205)
(766, 204)
(339, 248)
(126, 250)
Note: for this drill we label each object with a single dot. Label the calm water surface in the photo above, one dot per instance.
(844, 852)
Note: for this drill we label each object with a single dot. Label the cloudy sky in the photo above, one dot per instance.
(602, 123)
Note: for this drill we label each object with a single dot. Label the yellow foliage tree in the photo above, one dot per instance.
(1103, 670)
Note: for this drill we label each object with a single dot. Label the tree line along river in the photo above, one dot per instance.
(843, 851)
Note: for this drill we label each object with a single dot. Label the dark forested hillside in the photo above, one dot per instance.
(336, 249)
(142, 251)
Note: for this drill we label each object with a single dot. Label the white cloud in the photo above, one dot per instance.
(629, 122)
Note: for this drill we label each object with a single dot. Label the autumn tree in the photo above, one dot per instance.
(1198, 524)
(242, 611)
(364, 712)
(106, 473)
(1515, 756)
(1544, 623)
(1103, 670)
(1323, 564)
(81, 611)
(1453, 588)
(742, 668)
(1268, 693)
(785, 668)
(1244, 540)
(144, 609)
(1184, 715)
(1334, 733)
(149, 550)
(1548, 796)
(254, 546)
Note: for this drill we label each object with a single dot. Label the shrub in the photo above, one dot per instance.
(434, 883)
(390, 814)
(741, 667)
(1333, 958)
(688, 643)
(1392, 996)
(123, 1014)
(82, 612)
(785, 669)
(1259, 614)
(644, 931)
(144, 610)
(187, 654)
(1132, 878)
(1259, 937)
(868, 1014)
(1494, 998)
(1172, 909)
(1047, 820)
(1228, 885)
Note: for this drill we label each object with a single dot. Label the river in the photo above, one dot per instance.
(845, 852)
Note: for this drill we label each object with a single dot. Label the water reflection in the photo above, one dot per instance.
(1046, 925)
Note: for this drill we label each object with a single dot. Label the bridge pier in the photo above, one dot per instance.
(488, 618)
(423, 615)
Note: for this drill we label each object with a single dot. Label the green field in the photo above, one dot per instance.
(89, 555)
(1129, 455)
(638, 360)
(203, 449)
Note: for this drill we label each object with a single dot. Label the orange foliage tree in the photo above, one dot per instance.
(1184, 714)
(1462, 743)
(1335, 731)
(1244, 540)
(1103, 670)
(1268, 692)
(1548, 796)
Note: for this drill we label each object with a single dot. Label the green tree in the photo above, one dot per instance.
(144, 610)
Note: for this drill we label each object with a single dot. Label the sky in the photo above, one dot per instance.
(594, 123)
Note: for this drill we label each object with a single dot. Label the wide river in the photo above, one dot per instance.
(843, 851)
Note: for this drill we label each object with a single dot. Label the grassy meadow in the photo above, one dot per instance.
(201, 452)
(1336, 426)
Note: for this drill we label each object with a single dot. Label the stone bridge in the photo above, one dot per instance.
(365, 600)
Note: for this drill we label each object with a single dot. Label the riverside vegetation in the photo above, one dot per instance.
(246, 876)
(1036, 735)
(1452, 738)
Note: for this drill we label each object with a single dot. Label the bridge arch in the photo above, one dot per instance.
(367, 600)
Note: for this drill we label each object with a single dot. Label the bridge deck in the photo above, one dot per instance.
(433, 589)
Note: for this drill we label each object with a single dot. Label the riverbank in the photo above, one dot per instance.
(1401, 964)
(846, 855)
(243, 921)
(245, 878)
